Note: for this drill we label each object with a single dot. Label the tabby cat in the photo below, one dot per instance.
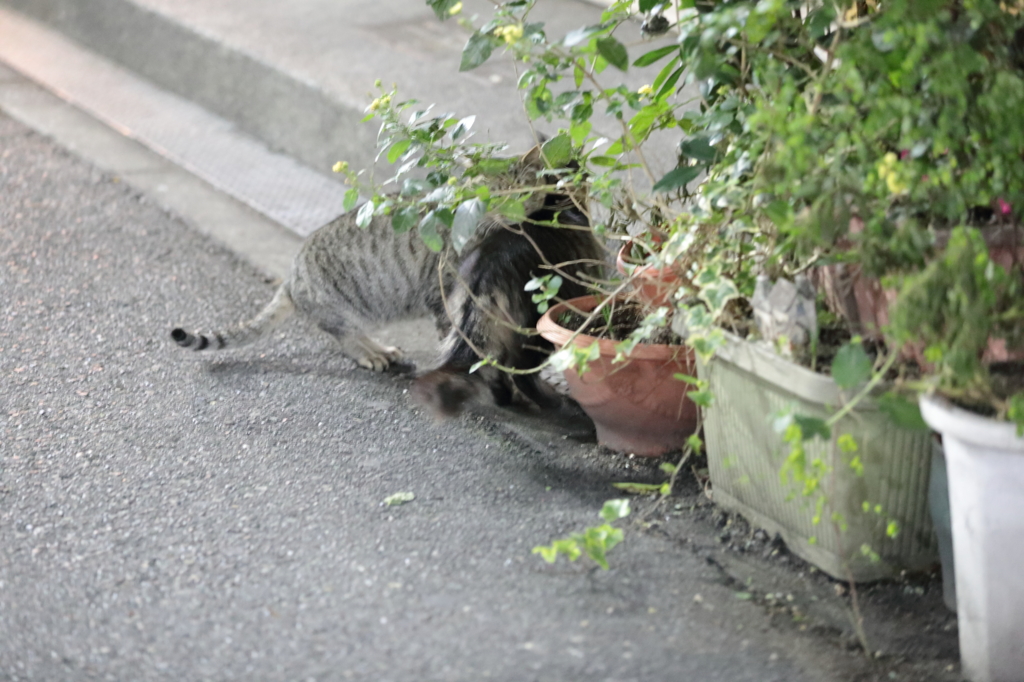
(349, 280)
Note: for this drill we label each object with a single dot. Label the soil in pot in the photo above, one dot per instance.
(637, 405)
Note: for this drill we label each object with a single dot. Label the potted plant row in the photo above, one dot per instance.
(823, 154)
(890, 148)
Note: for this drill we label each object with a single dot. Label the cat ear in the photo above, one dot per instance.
(533, 160)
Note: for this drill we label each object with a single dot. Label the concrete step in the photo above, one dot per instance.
(297, 74)
(184, 133)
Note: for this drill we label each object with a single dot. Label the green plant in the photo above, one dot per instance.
(595, 541)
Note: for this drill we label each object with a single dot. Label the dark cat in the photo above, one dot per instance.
(491, 309)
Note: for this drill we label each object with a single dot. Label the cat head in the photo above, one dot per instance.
(557, 184)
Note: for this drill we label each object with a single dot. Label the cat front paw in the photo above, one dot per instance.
(381, 359)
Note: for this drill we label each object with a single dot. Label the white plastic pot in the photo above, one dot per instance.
(985, 466)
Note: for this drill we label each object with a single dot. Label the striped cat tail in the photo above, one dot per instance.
(279, 309)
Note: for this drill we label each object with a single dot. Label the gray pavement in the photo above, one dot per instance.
(165, 516)
(171, 517)
(168, 517)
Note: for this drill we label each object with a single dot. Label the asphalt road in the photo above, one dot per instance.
(165, 516)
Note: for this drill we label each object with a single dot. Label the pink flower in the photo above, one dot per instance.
(1004, 208)
(904, 153)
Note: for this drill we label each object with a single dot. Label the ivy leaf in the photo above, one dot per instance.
(655, 55)
(851, 366)
(615, 509)
(477, 51)
(614, 52)
(467, 217)
(718, 293)
(677, 178)
(365, 214)
(558, 151)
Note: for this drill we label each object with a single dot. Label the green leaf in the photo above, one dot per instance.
(513, 209)
(701, 398)
(614, 52)
(603, 160)
(648, 5)
(669, 82)
(477, 50)
(430, 228)
(463, 126)
(579, 131)
(404, 219)
(812, 426)
(655, 55)
(1014, 411)
(467, 217)
(351, 197)
(641, 123)
(615, 509)
(819, 21)
(665, 72)
(580, 35)
(398, 498)
(759, 24)
(851, 366)
(781, 213)
(397, 149)
(558, 151)
(365, 214)
(699, 149)
(412, 186)
(718, 293)
(902, 411)
(638, 488)
(442, 8)
(677, 178)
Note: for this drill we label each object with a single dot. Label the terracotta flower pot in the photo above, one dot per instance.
(654, 286)
(637, 405)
